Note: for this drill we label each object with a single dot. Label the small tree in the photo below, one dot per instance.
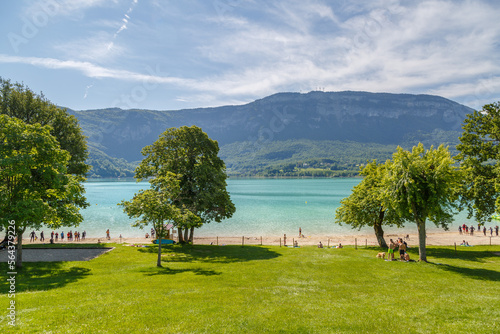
(365, 205)
(189, 153)
(423, 185)
(156, 206)
(35, 187)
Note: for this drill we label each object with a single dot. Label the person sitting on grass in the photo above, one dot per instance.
(464, 243)
(320, 245)
(340, 246)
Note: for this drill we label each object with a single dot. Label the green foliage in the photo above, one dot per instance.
(19, 101)
(255, 289)
(190, 155)
(303, 157)
(35, 187)
(366, 206)
(108, 167)
(480, 158)
(156, 207)
(423, 184)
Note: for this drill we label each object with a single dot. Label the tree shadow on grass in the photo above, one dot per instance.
(474, 254)
(155, 271)
(212, 254)
(41, 276)
(475, 273)
(463, 253)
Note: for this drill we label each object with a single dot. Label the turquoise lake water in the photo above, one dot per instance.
(264, 207)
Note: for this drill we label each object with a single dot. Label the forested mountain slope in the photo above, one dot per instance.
(326, 130)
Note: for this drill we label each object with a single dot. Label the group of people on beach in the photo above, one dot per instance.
(464, 229)
(402, 247)
(54, 236)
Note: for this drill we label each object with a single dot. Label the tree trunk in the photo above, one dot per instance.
(19, 259)
(379, 232)
(179, 232)
(158, 263)
(186, 235)
(191, 235)
(5, 240)
(422, 256)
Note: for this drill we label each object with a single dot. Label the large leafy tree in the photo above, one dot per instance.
(35, 187)
(423, 185)
(365, 206)
(190, 154)
(20, 102)
(480, 159)
(155, 206)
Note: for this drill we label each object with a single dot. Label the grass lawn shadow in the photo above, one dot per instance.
(42, 276)
(169, 271)
(474, 273)
(212, 254)
(463, 253)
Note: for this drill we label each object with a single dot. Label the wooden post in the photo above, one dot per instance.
(366, 243)
(328, 243)
(293, 242)
(261, 240)
(455, 248)
(242, 241)
(355, 243)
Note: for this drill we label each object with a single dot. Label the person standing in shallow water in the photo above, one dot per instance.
(300, 232)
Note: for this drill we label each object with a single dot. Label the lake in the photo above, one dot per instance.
(264, 207)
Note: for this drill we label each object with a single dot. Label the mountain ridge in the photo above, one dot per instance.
(349, 116)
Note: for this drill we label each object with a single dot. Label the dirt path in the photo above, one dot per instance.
(59, 254)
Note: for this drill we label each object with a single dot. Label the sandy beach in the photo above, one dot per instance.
(437, 239)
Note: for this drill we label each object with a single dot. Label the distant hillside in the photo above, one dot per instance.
(285, 128)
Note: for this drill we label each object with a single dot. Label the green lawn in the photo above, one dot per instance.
(254, 289)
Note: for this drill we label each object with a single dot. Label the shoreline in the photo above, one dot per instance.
(433, 239)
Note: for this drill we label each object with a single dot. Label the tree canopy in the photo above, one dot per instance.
(423, 185)
(480, 159)
(191, 155)
(58, 193)
(19, 101)
(35, 187)
(365, 206)
(156, 207)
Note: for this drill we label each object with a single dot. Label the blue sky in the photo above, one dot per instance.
(165, 54)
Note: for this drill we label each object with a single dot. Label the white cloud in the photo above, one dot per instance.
(257, 48)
